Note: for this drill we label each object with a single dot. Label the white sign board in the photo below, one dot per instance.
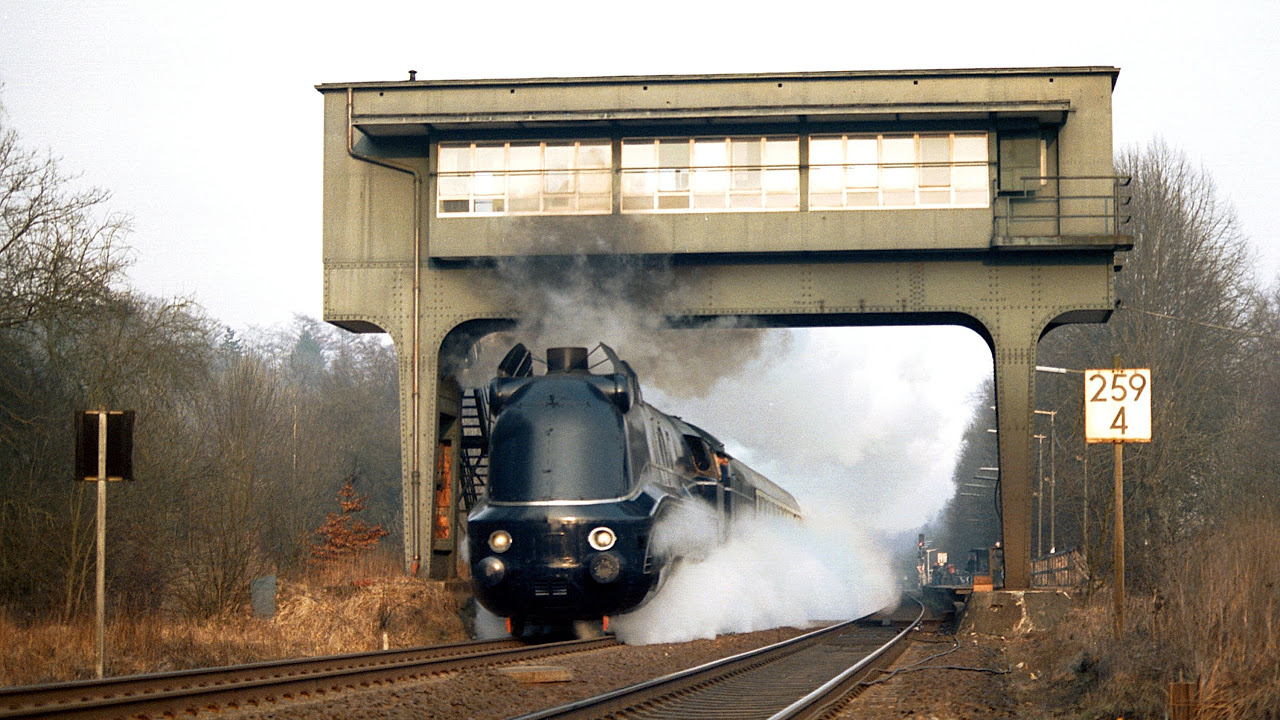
(1117, 405)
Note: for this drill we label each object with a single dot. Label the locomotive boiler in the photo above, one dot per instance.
(580, 471)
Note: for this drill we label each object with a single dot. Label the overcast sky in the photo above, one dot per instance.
(203, 120)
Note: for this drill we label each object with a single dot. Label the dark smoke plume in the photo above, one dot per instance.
(579, 291)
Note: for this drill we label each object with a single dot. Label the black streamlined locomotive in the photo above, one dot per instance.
(580, 470)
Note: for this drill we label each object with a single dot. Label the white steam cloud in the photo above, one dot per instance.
(862, 425)
(489, 626)
(770, 573)
(864, 420)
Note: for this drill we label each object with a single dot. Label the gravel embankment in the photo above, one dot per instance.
(938, 680)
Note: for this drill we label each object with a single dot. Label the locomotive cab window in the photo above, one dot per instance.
(700, 454)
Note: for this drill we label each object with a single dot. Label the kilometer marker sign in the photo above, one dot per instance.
(1117, 405)
(1117, 409)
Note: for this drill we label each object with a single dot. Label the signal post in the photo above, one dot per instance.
(104, 452)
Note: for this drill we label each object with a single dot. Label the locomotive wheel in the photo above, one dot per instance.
(516, 626)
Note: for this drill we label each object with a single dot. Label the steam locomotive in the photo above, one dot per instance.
(581, 470)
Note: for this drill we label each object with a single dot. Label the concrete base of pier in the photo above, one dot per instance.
(1007, 613)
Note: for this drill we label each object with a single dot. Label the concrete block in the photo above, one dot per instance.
(1007, 613)
(263, 593)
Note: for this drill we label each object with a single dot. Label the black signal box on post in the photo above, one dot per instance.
(119, 444)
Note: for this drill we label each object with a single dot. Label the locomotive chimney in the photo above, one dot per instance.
(566, 360)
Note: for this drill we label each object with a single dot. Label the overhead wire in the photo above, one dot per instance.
(1202, 323)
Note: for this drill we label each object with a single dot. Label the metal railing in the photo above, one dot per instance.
(1064, 205)
(1063, 569)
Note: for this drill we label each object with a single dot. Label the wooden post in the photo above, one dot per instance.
(101, 633)
(1084, 524)
(1119, 539)
(1183, 700)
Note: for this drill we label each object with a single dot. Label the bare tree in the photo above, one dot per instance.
(58, 254)
(342, 394)
(1255, 446)
(240, 443)
(153, 357)
(61, 254)
(129, 352)
(220, 545)
(1187, 296)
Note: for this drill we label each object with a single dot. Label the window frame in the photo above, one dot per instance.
(654, 185)
(713, 173)
(506, 196)
(897, 177)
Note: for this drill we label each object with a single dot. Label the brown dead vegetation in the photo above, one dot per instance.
(1215, 623)
(342, 536)
(1222, 616)
(340, 608)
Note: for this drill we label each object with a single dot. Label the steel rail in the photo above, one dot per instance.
(841, 686)
(646, 699)
(185, 691)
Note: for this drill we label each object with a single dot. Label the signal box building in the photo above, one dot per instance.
(985, 198)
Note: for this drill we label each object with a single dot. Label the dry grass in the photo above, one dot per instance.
(1215, 621)
(334, 610)
(1225, 612)
(1094, 674)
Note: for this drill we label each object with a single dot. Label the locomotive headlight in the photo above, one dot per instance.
(602, 538)
(490, 571)
(605, 568)
(500, 541)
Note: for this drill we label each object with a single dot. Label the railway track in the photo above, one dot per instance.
(189, 691)
(804, 677)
